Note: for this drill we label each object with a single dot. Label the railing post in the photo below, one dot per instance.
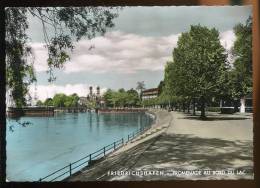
(89, 157)
(104, 151)
(40, 179)
(122, 141)
(70, 169)
(114, 145)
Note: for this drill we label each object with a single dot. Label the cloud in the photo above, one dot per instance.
(45, 91)
(40, 53)
(114, 52)
(120, 53)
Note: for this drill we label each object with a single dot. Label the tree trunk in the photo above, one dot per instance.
(202, 115)
(194, 108)
(189, 107)
(236, 106)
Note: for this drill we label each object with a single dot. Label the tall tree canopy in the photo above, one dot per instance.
(241, 74)
(140, 87)
(60, 100)
(65, 25)
(121, 98)
(199, 62)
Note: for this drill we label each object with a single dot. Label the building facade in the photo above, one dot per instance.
(150, 93)
(93, 99)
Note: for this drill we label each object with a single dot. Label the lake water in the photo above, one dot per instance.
(50, 143)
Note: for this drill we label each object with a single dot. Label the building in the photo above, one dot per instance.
(150, 93)
(83, 101)
(91, 98)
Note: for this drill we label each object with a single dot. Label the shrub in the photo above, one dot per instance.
(227, 110)
(213, 109)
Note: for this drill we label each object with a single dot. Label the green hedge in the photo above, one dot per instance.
(213, 109)
(227, 110)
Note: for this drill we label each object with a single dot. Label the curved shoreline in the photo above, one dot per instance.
(161, 122)
(122, 110)
(159, 126)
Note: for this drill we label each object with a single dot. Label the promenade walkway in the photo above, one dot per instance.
(180, 142)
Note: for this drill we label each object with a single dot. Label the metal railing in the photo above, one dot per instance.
(137, 133)
(86, 161)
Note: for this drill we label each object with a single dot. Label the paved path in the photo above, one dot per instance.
(182, 143)
(227, 127)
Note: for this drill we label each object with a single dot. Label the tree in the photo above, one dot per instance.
(108, 98)
(39, 103)
(115, 98)
(160, 87)
(199, 62)
(169, 91)
(132, 98)
(19, 70)
(66, 24)
(71, 100)
(140, 87)
(121, 98)
(48, 102)
(68, 101)
(59, 100)
(241, 75)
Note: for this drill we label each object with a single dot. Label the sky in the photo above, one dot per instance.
(136, 49)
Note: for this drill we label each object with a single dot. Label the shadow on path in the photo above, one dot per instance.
(177, 152)
(214, 118)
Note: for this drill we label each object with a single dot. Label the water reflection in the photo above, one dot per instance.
(123, 118)
(90, 120)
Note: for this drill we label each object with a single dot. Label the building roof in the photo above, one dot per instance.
(151, 90)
